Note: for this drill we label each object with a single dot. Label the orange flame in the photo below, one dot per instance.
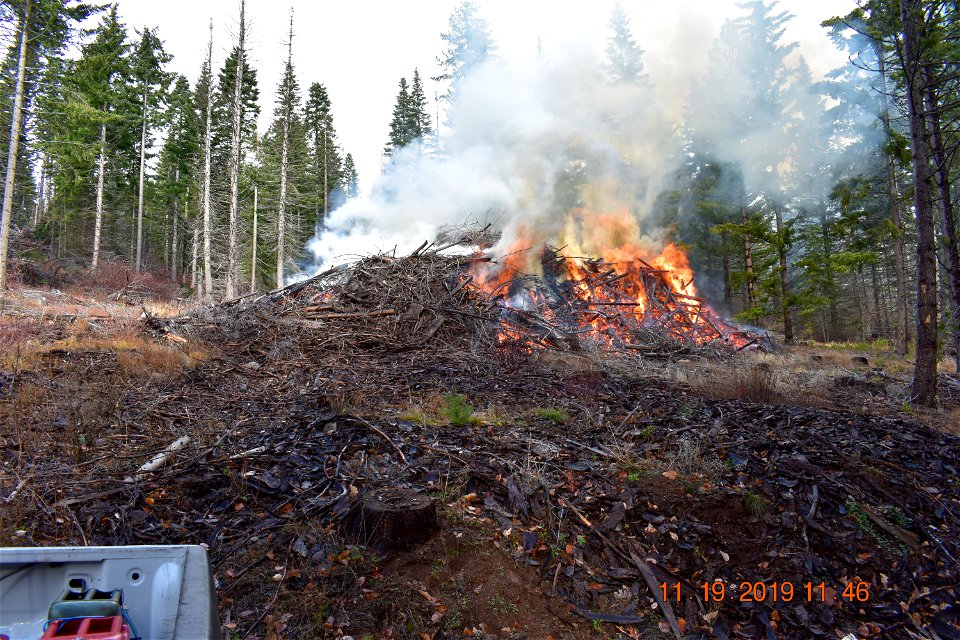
(613, 281)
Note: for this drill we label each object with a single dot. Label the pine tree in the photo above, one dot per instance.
(288, 101)
(318, 119)
(624, 57)
(150, 83)
(351, 187)
(179, 158)
(205, 99)
(411, 122)
(914, 21)
(469, 44)
(418, 119)
(399, 125)
(44, 28)
(242, 91)
(98, 83)
(731, 120)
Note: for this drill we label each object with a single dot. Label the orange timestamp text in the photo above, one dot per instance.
(747, 591)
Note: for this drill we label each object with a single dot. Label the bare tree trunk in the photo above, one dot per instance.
(207, 215)
(879, 311)
(727, 292)
(235, 159)
(948, 221)
(748, 256)
(194, 242)
(925, 368)
(16, 122)
(902, 338)
(176, 219)
(143, 161)
(828, 269)
(38, 210)
(253, 251)
(101, 169)
(784, 276)
(282, 213)
(326, 163)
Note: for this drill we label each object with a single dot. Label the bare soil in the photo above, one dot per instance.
(571, 476)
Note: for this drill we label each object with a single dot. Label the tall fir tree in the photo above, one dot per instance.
(399, 125)
(351, 181)
(99, 104)
(177, 169)
(150, 84)
(236, 109)
(469, 44)
(624, 57)
(44, 27)
(318, 118)
(418, 118)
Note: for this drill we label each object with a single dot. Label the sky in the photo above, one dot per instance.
(359, 50)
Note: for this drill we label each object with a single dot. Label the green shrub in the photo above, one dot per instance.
(456, 409)
(556, 415)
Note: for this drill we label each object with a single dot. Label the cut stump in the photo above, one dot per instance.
(392, 519)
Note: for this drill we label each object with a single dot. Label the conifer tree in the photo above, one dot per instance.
(147, 61)
(205, 98)
(318, 119)
(399, 131)
(98, 81)
(44, 27)
(351, 187)
(624, 57)
(418, 119)
(288, 101)
(179, 158)
(238, 102)
(469, 44)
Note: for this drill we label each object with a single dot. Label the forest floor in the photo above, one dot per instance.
(579, 495)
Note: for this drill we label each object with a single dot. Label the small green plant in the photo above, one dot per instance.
(648, 432)
(501, 606)
(456, 410)
(595, 624)
(866, 525)
(581, 540)
(898, 516)
(754, 503)
(906, 407)
(633, 477)
(555, 415)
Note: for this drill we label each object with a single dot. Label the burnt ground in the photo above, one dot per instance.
(569, 486)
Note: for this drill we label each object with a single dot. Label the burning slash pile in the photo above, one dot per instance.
(472, 303)
(641, 307)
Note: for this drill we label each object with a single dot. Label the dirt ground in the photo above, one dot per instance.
(561, 480)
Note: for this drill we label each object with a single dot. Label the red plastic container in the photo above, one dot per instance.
(108, 628)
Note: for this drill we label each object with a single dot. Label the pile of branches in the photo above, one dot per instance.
(430, 299)
(380, 304)
(593, 303)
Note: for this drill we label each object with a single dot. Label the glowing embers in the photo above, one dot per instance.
(631, 303)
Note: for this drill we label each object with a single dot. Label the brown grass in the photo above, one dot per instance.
(111, 277)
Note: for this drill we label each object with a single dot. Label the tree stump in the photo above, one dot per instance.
(391, 519)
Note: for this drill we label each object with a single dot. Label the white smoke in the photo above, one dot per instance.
(525, 146)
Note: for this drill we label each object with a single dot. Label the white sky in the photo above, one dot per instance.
(360, 49)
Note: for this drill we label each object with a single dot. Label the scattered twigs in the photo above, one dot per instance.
(383, 435)
(276, 594)
(651, 581)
